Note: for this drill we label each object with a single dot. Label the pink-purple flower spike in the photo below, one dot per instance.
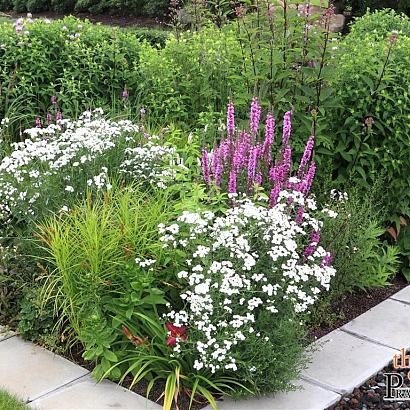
(230, 120)
(255, 115)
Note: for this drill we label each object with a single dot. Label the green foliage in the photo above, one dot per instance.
(83, 64)
(361, 259)
(401, 236)
(94, 278)
(134, 7)
(155, 37)
(380, 24)
(371, 131)
(192, 78)
(35, 321)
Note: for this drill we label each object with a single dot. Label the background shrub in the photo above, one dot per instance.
(82, 64)
(371, 127)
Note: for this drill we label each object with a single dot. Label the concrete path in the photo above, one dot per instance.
(341, 361)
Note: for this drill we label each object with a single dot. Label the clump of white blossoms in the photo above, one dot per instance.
(70, 157)
(252, 261)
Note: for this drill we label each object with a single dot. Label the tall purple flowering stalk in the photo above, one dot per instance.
(230, 120)
(243, 160)
(256, 111)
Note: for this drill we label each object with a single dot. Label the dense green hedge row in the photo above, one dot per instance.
(135, 7)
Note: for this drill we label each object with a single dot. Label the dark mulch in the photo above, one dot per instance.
(120, 20)
(370, 395)
(352, 305)
(157, 392)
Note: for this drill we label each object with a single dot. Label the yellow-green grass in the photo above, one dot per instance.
(9, 402)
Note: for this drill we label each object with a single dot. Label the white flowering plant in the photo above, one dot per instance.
(60, 163)
(247, 279)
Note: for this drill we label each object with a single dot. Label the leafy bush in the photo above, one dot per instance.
(196, 73)
(361, 259)
(381, 23)
(83, 64)
(371, 131)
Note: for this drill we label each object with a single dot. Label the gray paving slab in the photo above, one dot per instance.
(403, 295)
(309, 397)
(387, 323)
(341, 362)
(29, 371)
(5, 333)
(87, 394)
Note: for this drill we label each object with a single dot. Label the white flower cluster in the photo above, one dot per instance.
(146, 162)
(250, 260)
(70, 157)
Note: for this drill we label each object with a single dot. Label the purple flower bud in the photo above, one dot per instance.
(230, 120)
(125, 94)
(49, 118)
(205, 166)
(54, 100)
(287, 127)
(255, 115)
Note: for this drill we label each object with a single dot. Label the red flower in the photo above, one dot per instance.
(176, 333)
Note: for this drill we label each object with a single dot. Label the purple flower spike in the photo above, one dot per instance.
(269, 138)
(125, 94)
(287, 127)
(258, 178)
(252, 164)
(59, 116)
(54, 100)
(49, 118)
(205, 166)
(255, 115)
(309, 250)
(274, 195)
(38, 122)
(307, 154)
(308, 181)
(287, 161)
(230, 120)
(232, 182)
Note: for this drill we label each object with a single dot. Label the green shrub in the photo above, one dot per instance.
(192, 78)
(361, 259)
(371, 130)
(380, 24)
(83, 64)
